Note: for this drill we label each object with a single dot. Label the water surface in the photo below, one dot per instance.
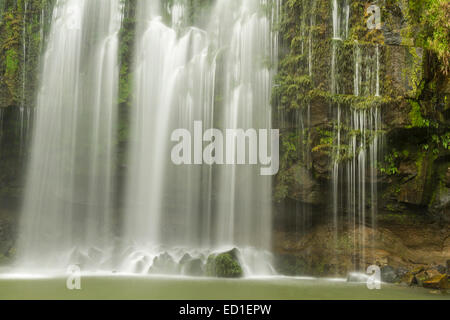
(181, 288)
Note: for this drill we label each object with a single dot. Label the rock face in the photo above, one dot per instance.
(224, 265)
(397, 247)
(303, 187)
(437, 282)
(389, 275)
(413, 172)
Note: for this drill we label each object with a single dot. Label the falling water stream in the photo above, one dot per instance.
(67, 206)
(359, 129)
(181, 71)
(216, 70)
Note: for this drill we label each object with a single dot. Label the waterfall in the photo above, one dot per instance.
(340, 16)
(214, 72)
(355, 168)
(356, 136)
(67, 207)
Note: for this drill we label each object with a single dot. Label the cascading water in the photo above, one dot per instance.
(356, 136)
(244, 197)
(215, 73)
(67, 206)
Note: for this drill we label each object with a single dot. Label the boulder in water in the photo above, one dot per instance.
(191, 266)
(186, 258)
(141, 265)
(164, 264)
(224, 265)
(194, 267)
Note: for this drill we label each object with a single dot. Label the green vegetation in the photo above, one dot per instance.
(432, 19)
(224, 265)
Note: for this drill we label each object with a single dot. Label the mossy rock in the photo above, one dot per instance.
(224, 265)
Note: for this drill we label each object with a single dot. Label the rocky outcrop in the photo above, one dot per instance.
(412, 204)
(395, 246)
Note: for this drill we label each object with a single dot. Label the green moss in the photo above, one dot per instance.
(12, 62)
(224, 265)
(416, 117)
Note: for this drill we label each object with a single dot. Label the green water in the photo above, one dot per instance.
(137, 287)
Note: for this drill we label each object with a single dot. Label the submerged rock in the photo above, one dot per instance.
(224, 265)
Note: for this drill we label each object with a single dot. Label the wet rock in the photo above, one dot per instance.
(194, 267)
(437, 282)
(164, 264)
(401, 67)
(389, 275)
(224, 265)
(141, 265)
(409, 279)
(304, 188)
(417, 270)
(440, 206)
(421, 277)
(401, 272)
(433, 272)
(320, 163)
(290, 264)
(441, 269)
(186, 258)
(392, 38)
